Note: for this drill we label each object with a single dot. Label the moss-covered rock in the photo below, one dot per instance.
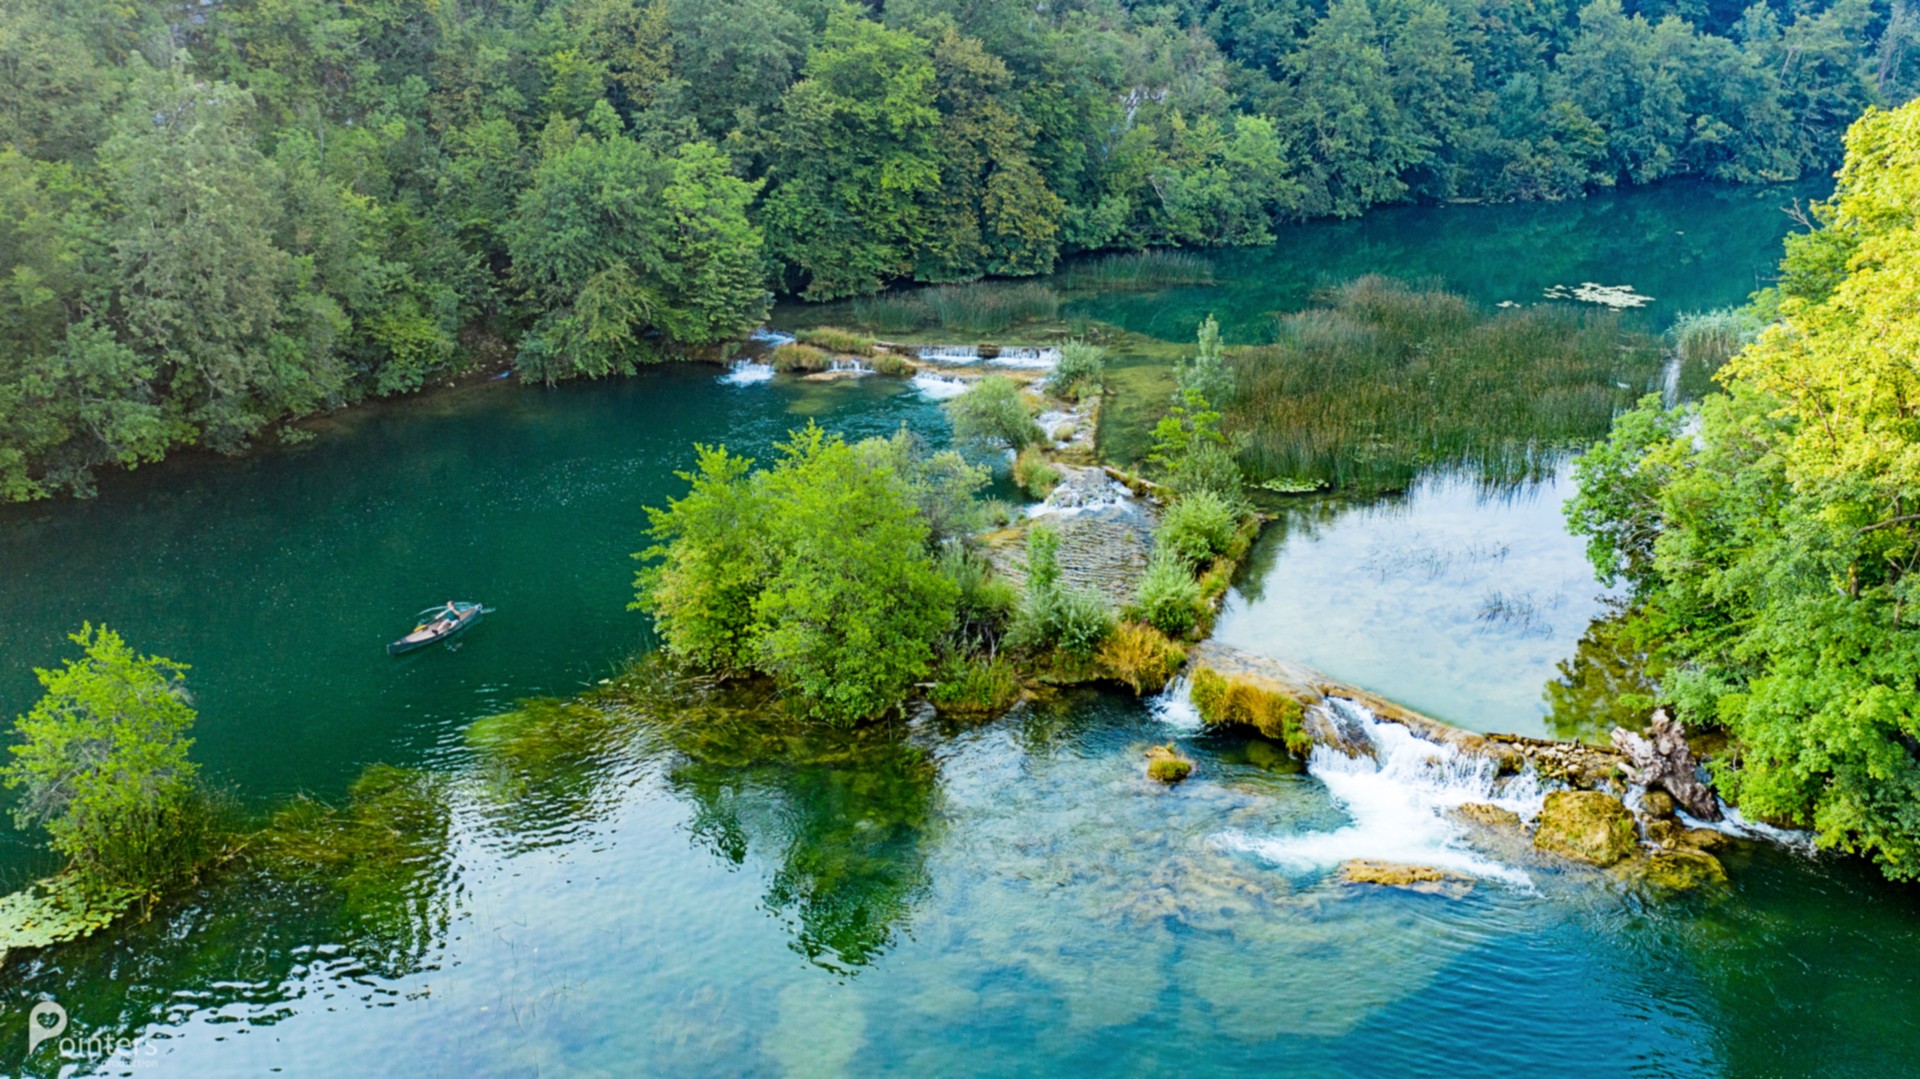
(1586, 826)
(1657, 804)
(1424, 879)
(1488, 814)
(1165, 764)
(1267, 708)
(1681, 870)
(1140, 656)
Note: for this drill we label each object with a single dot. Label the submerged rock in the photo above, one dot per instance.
(1681, 870)
(1488, 814)
(1165, 764)
(1425, 879)
(1586, 826)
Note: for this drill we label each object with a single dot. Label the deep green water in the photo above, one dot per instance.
(630, 889)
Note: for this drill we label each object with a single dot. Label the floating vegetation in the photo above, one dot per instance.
(1520, 612)
(57, 910)
(1618, 297)
(1137, 271)
(1384, 382)
(1292, 485)
(1411, 554)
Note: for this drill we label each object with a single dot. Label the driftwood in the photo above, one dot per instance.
(1667, 763)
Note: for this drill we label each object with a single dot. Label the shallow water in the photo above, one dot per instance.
(649, 888)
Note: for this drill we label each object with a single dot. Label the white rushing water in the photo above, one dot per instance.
(746, 373)
(1398, 801)
(938, 387)
(1174, 705)
(850, 366)
(772, 338)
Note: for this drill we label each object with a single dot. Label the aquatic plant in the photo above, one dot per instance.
(1198, 526)
(1166, 765)
(990, 307)
(980, 684)
(986, 601)
(1228, 699)
(1052, 615)
(1140, 656)
(1168, 596)
(892, 313)
(1712, 337)
(1034, 474)
(1385, 381)
(798, 357)
(1137, 271)
(835, 339)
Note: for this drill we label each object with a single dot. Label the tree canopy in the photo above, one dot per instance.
(1771, 535)
(210, 225)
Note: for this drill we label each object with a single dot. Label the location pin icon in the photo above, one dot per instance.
(47, 1020)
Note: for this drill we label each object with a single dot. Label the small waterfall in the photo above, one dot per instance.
(1397, 797)
(850, 365)
(938, 387)
(771, 338)
(1029, 358)
(746, 373)
(950, 354)
(1174, 705)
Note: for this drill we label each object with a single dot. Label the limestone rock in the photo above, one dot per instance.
(1665, 761)
(1425, 879)
(1681, 870)
(1657, 804)
(1165, 764)
(1490, 815)
(1586, 826)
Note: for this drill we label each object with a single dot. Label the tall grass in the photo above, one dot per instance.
(1137, 271)
(979, 308)
(1383, 381)
(835, 339)
(1703, 341)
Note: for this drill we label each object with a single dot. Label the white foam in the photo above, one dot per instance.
(747, 372)
(851, 366)
(938, 387)
(1398, 802)
(1174, 706)
(1035, 359)
(952, 354)
(772, 337)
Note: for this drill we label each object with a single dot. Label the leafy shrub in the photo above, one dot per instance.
(1198, 526)
(796, 357)
(992, 416)
(1209, 467)
(1034, 474)
(889, 363)
(835, 339)
(1080, 370)
(103, 766)
(986, 602)
(1169, 598)
(1074, 620)
(976, 684)
(1140, 656)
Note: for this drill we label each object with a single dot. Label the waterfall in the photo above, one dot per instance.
(858, 367)
(955, 354)
(938, 387)
(1032, 358)
(771, 338)
(1174, 705)
(1397, 800)
(747, 372)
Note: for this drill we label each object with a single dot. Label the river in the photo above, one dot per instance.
(641, 895)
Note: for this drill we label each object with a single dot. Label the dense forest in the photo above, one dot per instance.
(215, 216)
(1770, 534)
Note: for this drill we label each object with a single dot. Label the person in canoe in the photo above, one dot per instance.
(437, 624)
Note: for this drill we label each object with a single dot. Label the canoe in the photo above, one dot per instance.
(441, 623)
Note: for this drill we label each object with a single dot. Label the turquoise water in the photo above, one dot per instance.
(654, 886)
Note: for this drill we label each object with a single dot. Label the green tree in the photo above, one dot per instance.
(857, 153)
(616, 243)
(1772, 539)
(102, 765)
(992, 416)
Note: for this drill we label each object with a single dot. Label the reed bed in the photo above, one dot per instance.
(1703, 341)
(1384, 381)
(1138, 271)
(979, 308)
(835, 339)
